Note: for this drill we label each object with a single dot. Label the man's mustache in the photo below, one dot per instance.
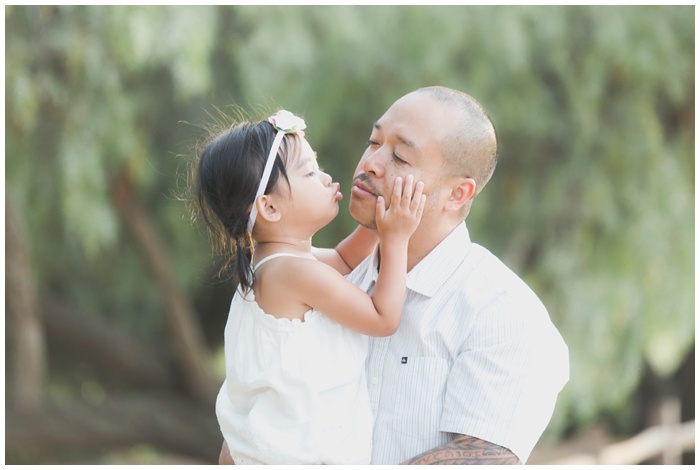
(367, 183)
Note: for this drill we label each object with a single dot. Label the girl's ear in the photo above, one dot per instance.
(461, 194)
(267, 210)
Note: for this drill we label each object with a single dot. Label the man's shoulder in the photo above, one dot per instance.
(489, 262)
(486, 277)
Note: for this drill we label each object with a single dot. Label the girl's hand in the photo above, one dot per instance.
(405, 211)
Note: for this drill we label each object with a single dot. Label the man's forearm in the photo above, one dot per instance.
(466, 450)
(357, 246)
(349, 252)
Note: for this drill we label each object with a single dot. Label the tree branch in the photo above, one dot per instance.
(106, 345)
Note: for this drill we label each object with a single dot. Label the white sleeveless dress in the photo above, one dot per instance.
(295, 392)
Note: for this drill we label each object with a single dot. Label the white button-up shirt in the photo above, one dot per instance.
(475, 354)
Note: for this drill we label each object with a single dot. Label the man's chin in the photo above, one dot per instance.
(363, 215)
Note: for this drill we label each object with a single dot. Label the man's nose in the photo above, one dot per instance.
(372, 162)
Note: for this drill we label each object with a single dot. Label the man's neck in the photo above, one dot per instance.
(421, 244)
(425, 239)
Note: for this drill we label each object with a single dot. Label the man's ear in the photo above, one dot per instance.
(267, 210)
(462, 193)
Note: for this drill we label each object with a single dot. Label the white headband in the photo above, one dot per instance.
(285, 123)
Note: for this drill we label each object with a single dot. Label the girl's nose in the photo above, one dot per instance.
(326, 178)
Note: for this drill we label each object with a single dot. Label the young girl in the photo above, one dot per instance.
(295, 389)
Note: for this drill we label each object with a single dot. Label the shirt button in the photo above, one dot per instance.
(375, 380)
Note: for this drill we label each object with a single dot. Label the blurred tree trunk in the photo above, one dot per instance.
(165, 421)
(186, 336)
(27, 333)
(154, 413)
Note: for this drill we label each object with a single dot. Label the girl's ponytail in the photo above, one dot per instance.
(241, 264)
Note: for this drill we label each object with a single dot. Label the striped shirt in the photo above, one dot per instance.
(475, 354)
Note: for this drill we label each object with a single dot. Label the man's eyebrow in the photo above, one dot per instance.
(403, 140)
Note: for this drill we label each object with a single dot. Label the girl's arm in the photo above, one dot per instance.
(350, 252)
(225, 455)
(322, 288)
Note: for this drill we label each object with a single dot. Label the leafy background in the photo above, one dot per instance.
(592, 202)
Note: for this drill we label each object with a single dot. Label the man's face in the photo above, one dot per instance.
(405, 140)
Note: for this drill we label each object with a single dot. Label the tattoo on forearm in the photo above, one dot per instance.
(466, 450)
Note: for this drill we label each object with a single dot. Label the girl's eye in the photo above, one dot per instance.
(315, 171)
(371, 143)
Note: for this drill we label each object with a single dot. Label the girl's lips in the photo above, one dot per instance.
(338, 195)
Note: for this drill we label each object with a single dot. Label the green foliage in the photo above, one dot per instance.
(592, 201)
(91, 91)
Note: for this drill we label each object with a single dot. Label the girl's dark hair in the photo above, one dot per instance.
(225, 178)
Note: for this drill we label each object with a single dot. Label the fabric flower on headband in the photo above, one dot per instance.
(288, 123)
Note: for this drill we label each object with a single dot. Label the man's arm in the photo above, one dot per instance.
(465, 450)
(350, 252)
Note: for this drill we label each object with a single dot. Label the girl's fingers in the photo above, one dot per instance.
(407, 191)
(396, 195)
(417, 196)
(406, 195)
(381, 207)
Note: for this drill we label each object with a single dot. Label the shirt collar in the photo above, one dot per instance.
(435, 269)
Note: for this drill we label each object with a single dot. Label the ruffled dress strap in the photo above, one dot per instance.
(272, 256)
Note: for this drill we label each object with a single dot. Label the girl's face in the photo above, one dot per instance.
(311, 201)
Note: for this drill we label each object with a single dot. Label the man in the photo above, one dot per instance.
(473, 372)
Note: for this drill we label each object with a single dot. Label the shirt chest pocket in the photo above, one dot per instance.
(419, 384)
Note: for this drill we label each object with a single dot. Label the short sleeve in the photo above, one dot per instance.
(503, 387)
